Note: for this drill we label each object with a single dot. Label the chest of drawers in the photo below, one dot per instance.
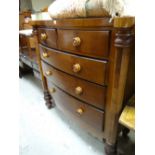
(87, 68)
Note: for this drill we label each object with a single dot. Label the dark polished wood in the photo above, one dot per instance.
(123, 43)
(48, 98)
(90, 69)
(75, 23)
(75, 62)
(91, 43)
(91, 93)
(67, 102)
(49, 37)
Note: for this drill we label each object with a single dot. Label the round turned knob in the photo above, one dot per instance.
(48, 73)
(52, 90)
(80, 111)
(45, 55)
(76, 68)
(43, 36)
(78, 90)
(76, 41)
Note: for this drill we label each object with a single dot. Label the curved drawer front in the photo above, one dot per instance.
(86, 91)
(47, 37)
(86, 113)
(89, 69)
(89, 43)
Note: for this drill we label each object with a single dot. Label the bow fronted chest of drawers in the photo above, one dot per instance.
(87, 68)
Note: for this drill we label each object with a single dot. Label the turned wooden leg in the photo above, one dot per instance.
(110, 149)
(48, 100)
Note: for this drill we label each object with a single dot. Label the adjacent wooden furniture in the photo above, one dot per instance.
(27, 46)
(27, 53)
(87, 70)
(24, 20)
(127, 117)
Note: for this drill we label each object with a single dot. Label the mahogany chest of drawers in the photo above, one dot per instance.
(87, 68)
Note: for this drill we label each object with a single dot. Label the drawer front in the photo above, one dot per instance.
(48, 37)
(89, 69)
(85, 91)
(86, 113)
(89, 43)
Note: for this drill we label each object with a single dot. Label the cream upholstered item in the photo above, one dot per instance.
(90, 8)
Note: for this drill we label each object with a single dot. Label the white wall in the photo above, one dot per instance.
(40, 4)
(25, 5)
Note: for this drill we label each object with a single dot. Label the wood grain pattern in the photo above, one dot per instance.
(93, 43)
(51, 37)
(123, 41)
(115, 69)
(64, 101)
(74, 23)
(91, 93)
(124, 22)
(48, 98)
(92, 70)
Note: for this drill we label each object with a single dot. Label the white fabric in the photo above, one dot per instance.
(67, 8)
(27, 32)
(86, 8)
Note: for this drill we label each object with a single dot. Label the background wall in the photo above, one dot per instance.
(25, 5)
(34, 5)
(40, 4)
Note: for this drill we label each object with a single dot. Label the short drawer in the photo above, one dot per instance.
(89, 43)
(86, 91)
(47, 37)
(90, 69)
(86, 113)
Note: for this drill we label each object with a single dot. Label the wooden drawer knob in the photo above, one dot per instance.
(45, 55)
(48, 73)
(76, 68)
(43, 36)
(52, 90)
(76, 41)
(78, 90)
(80, 111)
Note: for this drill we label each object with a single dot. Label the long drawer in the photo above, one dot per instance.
(86, 113)
(89, 43)
(90, 69)
(89, 92)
